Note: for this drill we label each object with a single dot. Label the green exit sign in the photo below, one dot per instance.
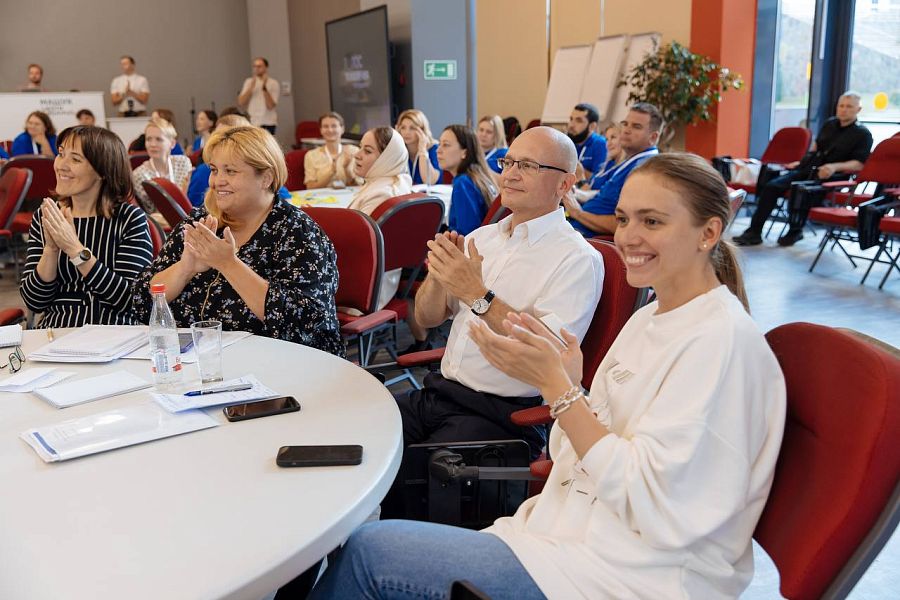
(440, 69)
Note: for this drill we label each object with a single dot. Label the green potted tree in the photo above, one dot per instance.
(683, 85)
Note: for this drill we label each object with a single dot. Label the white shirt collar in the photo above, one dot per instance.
(534, 229)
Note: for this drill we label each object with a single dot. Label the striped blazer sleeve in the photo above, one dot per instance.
(133, 254)
(37, 293)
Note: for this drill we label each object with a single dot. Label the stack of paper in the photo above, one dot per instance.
(112, 429)
(179, 402)
(32, 379)
(92, 388)
(93, 343)
(10, 335)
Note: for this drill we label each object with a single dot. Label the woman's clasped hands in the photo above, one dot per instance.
(59, 228)
(203, 249)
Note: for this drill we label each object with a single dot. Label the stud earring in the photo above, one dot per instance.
(705, 245)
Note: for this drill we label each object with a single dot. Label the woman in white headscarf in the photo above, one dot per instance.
(382, 162)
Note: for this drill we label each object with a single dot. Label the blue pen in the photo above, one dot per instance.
(233, 388)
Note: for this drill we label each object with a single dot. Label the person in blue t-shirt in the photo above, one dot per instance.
(473, 186)
(39, 136)
(492, 139)
(589, 145)
(421, 146)
(640, 132)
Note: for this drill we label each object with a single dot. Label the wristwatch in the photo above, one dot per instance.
(482, 305)
(81, 258)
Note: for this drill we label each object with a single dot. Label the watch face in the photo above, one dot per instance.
(480, 306)
(85, 255)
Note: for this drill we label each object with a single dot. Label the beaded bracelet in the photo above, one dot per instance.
(566, 401)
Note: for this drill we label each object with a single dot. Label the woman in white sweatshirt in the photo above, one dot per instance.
(660, 472)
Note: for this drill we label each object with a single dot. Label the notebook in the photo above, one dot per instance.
(10, 335)
(92, 388)
(92, 343)
(112, 429)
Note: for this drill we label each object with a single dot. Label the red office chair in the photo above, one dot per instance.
(296, 171)
(305, 129)
(43, 182)
(882, 169)
(137, 159)
(618, 301)
(835, 499)
(14, 184)
(169, 200)
(407, 224)
(360, 258)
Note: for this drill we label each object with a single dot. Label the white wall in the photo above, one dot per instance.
(269, 32)
(190, 48)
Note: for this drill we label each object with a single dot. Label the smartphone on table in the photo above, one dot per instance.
(318, 456)
(261, 408)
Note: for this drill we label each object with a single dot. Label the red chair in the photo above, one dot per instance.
(882, 169)
(14, 184)
(407, 224)
(43, 182)
(360, 258)
(533, 123)
(197, 157)
(446, 177)
(835, 499)
(618, 301)
(306, 129)
(157, 235)
(496, 212)
(137, 159)
(11, 316)
(169, 200)
(889, 227)
(6, 145)
(513, 129)
(789, 144)
(296, 170)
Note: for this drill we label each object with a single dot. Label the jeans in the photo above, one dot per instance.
(411, 559)
(767, 198)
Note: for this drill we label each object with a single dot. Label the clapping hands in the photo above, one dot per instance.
(203, 249)
(59, 228)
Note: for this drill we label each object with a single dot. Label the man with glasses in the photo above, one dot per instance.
(641, 129)
(530, 261)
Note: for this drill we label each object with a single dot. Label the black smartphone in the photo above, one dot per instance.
(318, 456)
(262, 408)
(185, 341)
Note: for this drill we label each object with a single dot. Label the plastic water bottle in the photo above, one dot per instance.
(165, 351)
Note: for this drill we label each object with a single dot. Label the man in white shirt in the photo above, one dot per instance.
(259, 96)
(531, 261)
(129, 91)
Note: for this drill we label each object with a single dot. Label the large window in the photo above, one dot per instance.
(792, 66)
(875, 65)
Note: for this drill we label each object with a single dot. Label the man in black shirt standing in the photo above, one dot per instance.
(842, 146)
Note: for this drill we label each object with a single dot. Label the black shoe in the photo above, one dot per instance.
(748, 238)
(791, 237)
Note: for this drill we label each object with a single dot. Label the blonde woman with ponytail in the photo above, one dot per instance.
(661, 471)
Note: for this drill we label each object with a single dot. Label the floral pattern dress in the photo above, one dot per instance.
(291, 253)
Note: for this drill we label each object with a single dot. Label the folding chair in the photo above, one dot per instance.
(169, 200)
(881, 169)
(360, 258)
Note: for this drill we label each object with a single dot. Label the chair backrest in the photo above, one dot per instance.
(6, 145)
(407, 223)
(787, 145)
(43, 177)
(495, 212)
(513, 129)
(306, 129)
(165, 203)
(14, 184)
(533, 123)
(446, 177)
(618, 301)
(196, 156)
(296, 171)
(137, 159)
(883, 165)
(839, 463)
(157, 236)
(360, 254)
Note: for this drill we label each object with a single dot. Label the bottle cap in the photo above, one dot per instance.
(157, 288)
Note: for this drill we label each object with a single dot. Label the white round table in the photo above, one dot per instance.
(204, 515)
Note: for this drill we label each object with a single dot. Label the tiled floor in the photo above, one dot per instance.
(782, 291)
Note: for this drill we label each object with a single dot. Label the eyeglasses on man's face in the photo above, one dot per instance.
(15, 360)
(526, 167)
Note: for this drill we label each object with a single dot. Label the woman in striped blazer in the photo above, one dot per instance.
(86, 247)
